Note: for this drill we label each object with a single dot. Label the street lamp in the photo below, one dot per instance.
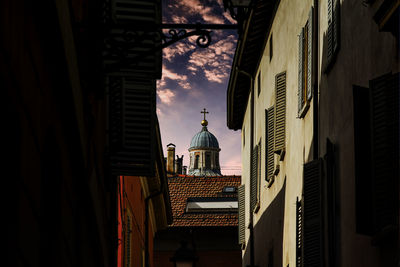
(184, 256)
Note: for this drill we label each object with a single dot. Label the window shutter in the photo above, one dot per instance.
(299, 233)
(385, 150)
(300, 87)
(269, 117)
(309, 54)
(128, 232)
(242, 214)
(336, 26)
(280, 111)
(127, 11)
(131, 126)
(132, 39)
(253, 182)
(330, 31)
(313, 251)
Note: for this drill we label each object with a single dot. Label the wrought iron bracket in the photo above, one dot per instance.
(178, 32)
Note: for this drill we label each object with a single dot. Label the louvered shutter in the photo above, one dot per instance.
(269, 117)
(313, 251)
(330, 31)
(253, 181)
(128, 232)
(131, 126)
(299, 233)
(242, 214)
(385, 150)
(280, 112)
(309, 54)
(132, 43)
(300, 90)
(336, 26)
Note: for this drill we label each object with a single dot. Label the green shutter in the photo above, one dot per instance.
(385, 151)
(280, 112)
(309, 54)
(242, 214)
(132, 129)
(301, 76)
(299, 233)
(313, 251)
(269, 117)
(253, 178)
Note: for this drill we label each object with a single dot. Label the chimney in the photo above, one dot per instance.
(178, 164)
(184, 171)
(170, 158)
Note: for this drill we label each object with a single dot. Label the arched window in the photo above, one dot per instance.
(208, 160)
(196, 161)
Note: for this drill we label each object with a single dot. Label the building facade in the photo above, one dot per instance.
(314, 89)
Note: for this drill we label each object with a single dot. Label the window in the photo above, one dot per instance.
(305, 66)
(212, 204)
(208, 160)
(241, 215)
(280, 114)
(254, 183)
(269, 137)
(333, 32)
(376, 132)
(229, 189)
(196, 161)
(259, 83)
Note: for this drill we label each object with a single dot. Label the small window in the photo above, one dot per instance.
(259, 83)
(229, 189)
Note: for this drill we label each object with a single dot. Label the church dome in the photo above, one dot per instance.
(204, 139)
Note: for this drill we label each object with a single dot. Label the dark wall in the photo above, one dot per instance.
(59, 202)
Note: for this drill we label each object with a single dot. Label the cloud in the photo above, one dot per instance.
(214, 61)
(166, 96)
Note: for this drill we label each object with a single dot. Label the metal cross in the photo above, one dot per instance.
(204, 112)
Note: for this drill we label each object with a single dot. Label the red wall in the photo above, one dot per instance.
(131, 197)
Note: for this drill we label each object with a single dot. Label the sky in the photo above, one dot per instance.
(194, 78)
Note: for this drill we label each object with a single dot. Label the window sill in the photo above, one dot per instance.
(304, 110)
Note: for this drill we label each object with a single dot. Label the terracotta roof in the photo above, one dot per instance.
(182, 187)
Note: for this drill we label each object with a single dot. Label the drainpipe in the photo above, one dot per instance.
(316, 82)
(251, 237)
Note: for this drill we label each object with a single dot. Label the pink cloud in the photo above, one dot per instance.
(166, 96)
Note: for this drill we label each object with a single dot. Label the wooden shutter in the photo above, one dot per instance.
(309, 54)
(280, 112)
(253, 180)
(269, 117)
(385, 151)
(330, 31)
(313, 250)
(128, 239)
(300, 90)
(336, 26)
(242, 214)
(132, 126)
(132, 45)
(299, 233)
